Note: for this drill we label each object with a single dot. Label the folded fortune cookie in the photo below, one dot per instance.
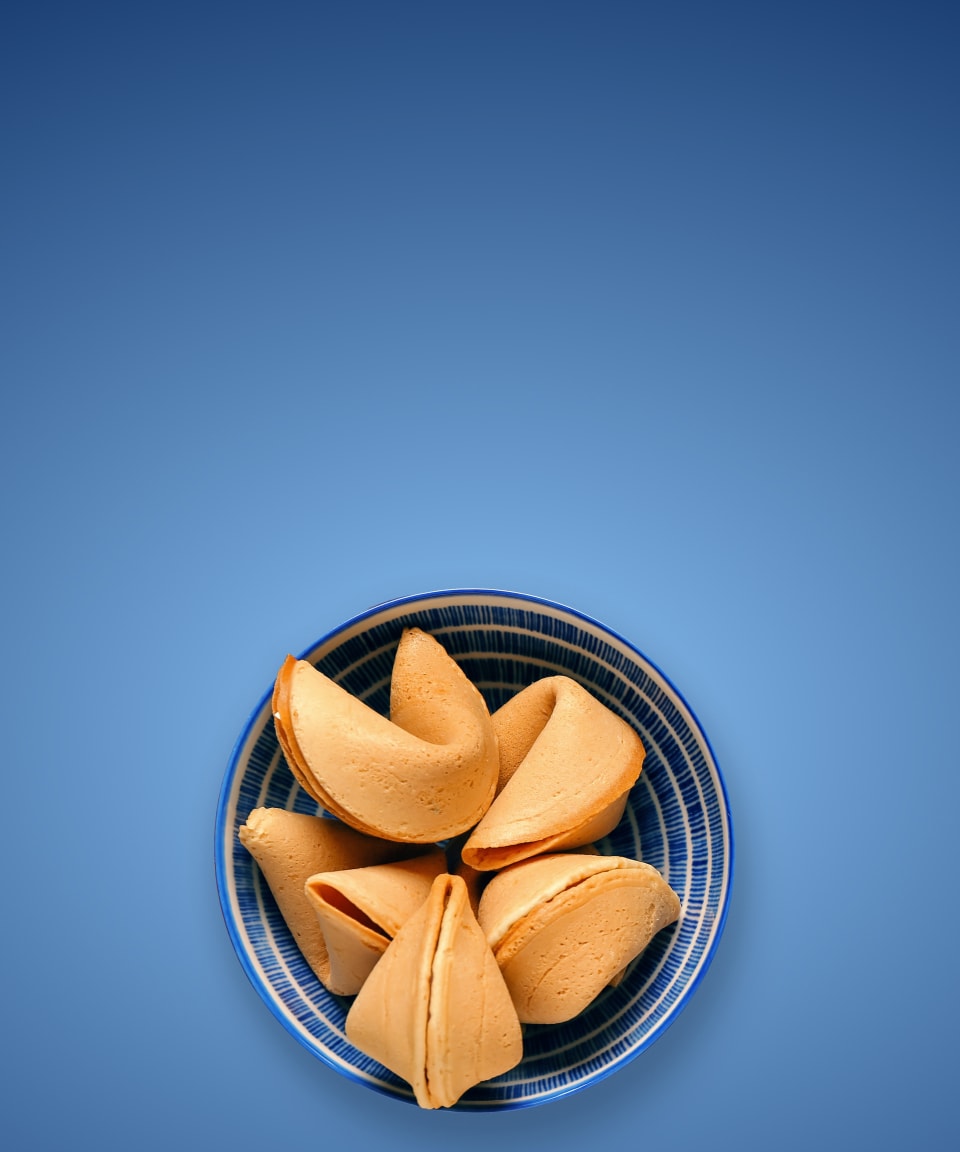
(360, 910)
(567, 764)
(289, 847)
(563, 926)
(426, 774)
(435, 1009)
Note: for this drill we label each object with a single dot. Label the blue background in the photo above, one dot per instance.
(649, 309)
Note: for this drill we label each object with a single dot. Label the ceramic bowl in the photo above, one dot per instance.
(677, 819)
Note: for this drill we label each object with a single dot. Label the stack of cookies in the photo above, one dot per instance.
(449, 950)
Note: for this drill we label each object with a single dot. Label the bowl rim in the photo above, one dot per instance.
(220, 863)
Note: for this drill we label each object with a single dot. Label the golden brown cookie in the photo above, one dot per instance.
(567, 764)
(435, 1009)
(360, 910)
(289, 847)
(426, 774)
(563, 926)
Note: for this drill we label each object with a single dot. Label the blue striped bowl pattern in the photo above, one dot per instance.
(677, 819)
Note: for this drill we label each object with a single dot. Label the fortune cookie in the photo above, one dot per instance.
(290, 847)
(360, 910)
(567, 764)
(426, 774)
(435, 1009)
(563, 926)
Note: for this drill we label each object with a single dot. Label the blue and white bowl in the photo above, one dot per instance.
(677, 819)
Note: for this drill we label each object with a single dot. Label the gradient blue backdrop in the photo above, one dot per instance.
(651, 309)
